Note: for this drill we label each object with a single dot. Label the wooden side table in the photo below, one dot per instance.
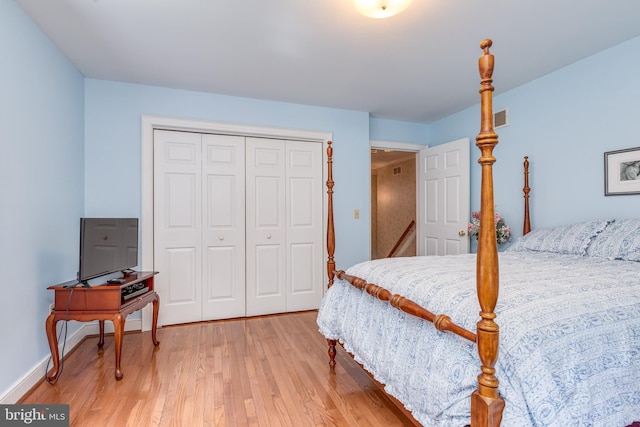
(112, 302)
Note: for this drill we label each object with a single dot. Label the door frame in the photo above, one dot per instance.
(150, 122)
(377, 144)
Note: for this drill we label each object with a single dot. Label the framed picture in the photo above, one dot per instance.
(622, 172)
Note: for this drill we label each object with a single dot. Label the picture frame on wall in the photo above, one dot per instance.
(622, 172)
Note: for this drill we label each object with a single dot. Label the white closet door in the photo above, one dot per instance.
(304, 257)
(223, 233)
(265, 226)
(177, 225)
(237, 226)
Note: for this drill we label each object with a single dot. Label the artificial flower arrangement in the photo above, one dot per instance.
(503, 231)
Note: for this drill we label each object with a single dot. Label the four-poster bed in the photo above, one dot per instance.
(557, 350)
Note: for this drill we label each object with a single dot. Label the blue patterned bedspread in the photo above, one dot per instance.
(569, 337)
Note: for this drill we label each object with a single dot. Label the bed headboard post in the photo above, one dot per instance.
(526, 227)
(331, 237)
(486, 403)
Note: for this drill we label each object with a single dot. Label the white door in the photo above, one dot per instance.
(284, 226)
(305, 257)
(266, 246)
(223, 231)
(177, 225)
(443, 198)
(199, 226)
(237, 226)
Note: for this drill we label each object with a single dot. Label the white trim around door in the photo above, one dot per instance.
(150, 122)
(396, 145)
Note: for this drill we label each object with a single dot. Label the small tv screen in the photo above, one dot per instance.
(107, 245)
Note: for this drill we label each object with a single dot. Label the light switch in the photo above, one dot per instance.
(356, 214)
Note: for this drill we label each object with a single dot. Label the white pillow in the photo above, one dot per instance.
(567, 239)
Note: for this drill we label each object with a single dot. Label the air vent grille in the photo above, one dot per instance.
(500, 118)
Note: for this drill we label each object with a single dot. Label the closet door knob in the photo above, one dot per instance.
(221, 238)
(268, 236)
(462, 233)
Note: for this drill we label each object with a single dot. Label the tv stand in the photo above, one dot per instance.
(103, 302)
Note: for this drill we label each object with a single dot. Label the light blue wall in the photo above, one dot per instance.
(397, 131)
(564, 122)
(113, 144)
(41, 185)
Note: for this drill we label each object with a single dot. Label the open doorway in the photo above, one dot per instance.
(438, 188)
(393, 203)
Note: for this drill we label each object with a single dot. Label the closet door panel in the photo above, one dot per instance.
(301, 270)
(265, 226)
(268, 274)
(181, 267)
(304, 225)
(223, 229)
(177, 225)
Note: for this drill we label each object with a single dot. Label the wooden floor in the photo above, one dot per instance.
(264, 371)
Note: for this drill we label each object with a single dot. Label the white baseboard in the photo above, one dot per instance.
(36, 374)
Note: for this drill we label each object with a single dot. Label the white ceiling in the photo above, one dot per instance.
(418, 66)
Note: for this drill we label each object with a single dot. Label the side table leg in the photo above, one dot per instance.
(154, 323)
(50, 325)
(118, 331)
(101, 342)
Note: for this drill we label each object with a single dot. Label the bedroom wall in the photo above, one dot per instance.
(564, 122)
(113, 144)
(394, 130)
(41, 186)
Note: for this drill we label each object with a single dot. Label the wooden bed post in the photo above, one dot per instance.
(486, 403)
(526, 227)
(331, 242)
(331, 236)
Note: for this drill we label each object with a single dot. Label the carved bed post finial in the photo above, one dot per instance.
(486, 403)
(527, 221)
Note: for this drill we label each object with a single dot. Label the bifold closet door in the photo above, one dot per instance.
(265, 208)
(284, 225)
(237, 226)
(223, 231)
(199, 226)
(305, 256)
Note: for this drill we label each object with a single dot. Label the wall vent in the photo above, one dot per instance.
(500, 119)
(397, 171)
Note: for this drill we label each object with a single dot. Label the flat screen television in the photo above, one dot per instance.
(107, 245)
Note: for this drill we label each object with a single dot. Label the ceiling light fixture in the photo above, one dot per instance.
(381, 8)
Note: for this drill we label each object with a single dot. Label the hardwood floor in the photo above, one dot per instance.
(263, 371)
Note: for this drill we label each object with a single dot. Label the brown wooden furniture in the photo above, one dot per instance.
(486, 403)
(103, 302)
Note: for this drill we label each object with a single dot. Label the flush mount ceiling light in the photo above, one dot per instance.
(381, 8)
